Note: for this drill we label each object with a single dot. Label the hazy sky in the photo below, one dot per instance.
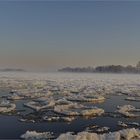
(52, 34)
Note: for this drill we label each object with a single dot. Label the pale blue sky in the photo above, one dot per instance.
(46, 34)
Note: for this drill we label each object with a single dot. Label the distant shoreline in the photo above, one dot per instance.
(103, 69)
(96, 72)
(12, 70)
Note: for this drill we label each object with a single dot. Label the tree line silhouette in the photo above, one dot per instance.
(105, 69)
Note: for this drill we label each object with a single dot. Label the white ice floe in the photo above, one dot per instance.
(68, 109)
(88, 98)
(126, 124)
(122, 124)
(92, 112)
(62, 101)
(6, 106)
(133, 99)
(33, 135)
(15, 96)
(53, 119)
(39, 105)
(126, 134)
(102, 129)
(74, 109)
(128, 111)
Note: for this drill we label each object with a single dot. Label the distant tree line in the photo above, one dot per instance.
(105, 69)
(12, 70)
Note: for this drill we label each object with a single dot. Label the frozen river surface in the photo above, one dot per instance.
(64, 89)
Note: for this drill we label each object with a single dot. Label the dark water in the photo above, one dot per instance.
(11, 128)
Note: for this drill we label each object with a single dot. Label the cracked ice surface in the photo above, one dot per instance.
(47, 90)
(74, 83)
(65, 96)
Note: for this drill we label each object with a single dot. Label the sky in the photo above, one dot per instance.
(53, 34)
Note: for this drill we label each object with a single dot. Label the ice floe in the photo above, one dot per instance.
(128, 111)
(33, 135)
(133, 99)
(37, 106)
(125, 134)
(6, 106)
